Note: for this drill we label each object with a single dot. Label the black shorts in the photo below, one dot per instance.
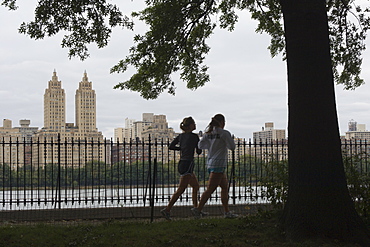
(185, 167)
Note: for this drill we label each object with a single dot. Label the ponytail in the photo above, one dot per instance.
(216, 121)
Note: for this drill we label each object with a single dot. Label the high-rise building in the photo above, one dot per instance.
(85, 106)
(268, 133)
(148, 117)
(85, 110)
(357, 131)
(7, 124)
(275, 140)
(129, 123)
(356, 139)
(54, 105)
(138, 128)
(118, 134)
(27, 132)
(121, 134)
(352, 125)
(152, 126)
(126, 133)
(158, 129)
(56, 129)
(155, 126)
(16, 150)
(81, 142)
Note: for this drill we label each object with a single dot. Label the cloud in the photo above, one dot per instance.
(247, 85)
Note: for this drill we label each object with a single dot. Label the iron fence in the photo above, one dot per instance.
(43, 175)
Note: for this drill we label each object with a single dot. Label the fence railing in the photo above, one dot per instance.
(77, 174)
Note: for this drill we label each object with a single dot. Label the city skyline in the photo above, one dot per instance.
(85, 84)
(247, 85)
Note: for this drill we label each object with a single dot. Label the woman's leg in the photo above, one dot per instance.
(195, 185)
(225, 193)
(214, 181)
(183, 184)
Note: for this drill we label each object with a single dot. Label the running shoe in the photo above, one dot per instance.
(166, 214)
(204, 214)
(196, 213)
(230, 215)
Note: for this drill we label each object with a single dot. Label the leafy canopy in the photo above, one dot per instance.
(177, 34)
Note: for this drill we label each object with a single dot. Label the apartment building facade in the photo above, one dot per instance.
(271, 143)
(153, 126)
(269, 133)
(16, 150)
(57, 141)
(84, 130)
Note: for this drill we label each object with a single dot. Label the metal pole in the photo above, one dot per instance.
(233, 176)
(59, 171)
(153, 190)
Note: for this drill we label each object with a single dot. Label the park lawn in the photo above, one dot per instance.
(261, 230)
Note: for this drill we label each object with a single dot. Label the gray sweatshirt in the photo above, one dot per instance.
(217, 142)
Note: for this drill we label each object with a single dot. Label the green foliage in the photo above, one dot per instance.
(166, 48)
(269, 16)
(274, 182)
(11, 4)
(178, 30)
(94, 173)
(348, 25)
(357, 169)
(271, 177)
(84, 22)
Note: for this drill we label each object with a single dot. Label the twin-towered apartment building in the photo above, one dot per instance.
(55, 114)
(85, 111)
(85, 118)
(61, 141)
(55, 130)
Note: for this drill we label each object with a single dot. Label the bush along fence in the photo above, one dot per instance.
(64, 179)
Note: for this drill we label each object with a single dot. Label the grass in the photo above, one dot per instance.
(259, 230)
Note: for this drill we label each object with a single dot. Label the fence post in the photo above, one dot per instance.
(233, 175)
(149, 170)
(59, 171)
(153, 190)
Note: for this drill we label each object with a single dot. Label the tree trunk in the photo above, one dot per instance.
(318, 205)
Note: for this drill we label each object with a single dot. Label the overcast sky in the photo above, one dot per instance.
(247, 85)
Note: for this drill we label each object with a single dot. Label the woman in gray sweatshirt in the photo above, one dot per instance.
(217, 140)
